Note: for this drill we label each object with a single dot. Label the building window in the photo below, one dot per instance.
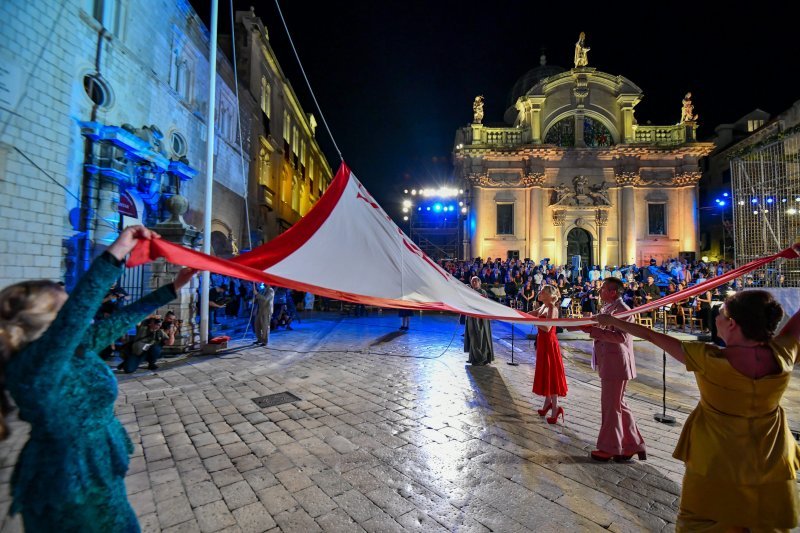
(753, 125)
(505, 219)
(266, 96)
(295, 195)
(562, 133)
(595, 134)
(657, 219)
(287, 126)
(178, 145)
(97, 90)
(111, 15)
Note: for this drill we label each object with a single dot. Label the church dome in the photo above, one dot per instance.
(531, 78)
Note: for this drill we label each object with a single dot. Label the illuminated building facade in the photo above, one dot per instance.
(288, 173)
(572, 173)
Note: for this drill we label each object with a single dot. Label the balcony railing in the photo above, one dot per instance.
(667, 135)
(497, 137)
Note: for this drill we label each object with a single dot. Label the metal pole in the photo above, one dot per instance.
(663, 417)
(512, 363)
(210, 140)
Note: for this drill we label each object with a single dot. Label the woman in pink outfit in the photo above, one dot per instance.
(548, 377)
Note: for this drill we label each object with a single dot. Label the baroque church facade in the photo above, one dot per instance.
(573, 173)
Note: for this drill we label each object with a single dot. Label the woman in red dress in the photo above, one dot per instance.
(548, 377)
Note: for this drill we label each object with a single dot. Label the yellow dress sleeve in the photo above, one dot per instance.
(786, 348)
(696, 354)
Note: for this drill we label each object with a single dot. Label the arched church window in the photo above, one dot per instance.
(562, 133)
(595, 134)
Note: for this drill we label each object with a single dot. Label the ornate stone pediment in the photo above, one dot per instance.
(686, 178)
(581, 194)
(626, 178)
(559, 216)
(505, 180)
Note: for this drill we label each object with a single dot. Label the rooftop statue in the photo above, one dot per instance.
(687, 113)
(477, 110)
(581, 52)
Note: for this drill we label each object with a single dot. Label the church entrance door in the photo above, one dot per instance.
(579, 242)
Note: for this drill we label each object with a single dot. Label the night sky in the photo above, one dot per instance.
(395, 79)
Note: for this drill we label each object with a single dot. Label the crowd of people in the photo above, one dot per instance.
(518, 283)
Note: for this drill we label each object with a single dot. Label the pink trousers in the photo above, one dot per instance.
(619, 434)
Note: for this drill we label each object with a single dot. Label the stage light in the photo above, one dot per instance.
(769, 200)
(460, 191)
(419, 209)
(405, 218)
(755, 212)
(754, 201)
(783, 200)
(413, 192)
(722, 204)
(725, 194)
(405, 210)
(437, 207)
(460, 204)
(741, 202)
(463, 209)
(405, 191)
(791, 211)
(406, 203)
(427, 209)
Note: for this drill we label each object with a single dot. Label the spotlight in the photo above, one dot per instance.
(405, 218)
(769, 200)
(464, 210)
(405, 210)
(406, 203)
(413, 192)
(725, 194)
(722, 204)
(754, 201)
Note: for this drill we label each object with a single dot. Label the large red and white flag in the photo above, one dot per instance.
(348, 248)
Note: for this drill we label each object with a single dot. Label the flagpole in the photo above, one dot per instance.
(210, 141)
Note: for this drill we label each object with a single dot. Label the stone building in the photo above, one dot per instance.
(105, 120)
(572, 173)
(288, 171)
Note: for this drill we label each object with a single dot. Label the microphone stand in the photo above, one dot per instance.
(663, 417)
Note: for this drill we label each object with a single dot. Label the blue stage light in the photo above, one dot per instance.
(754, 201)
(769, 200)
(437, 207)
(722, 204)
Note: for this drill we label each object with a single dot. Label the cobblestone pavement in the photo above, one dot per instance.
(393, 432)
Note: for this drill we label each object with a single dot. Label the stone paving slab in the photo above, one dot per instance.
(393, 432)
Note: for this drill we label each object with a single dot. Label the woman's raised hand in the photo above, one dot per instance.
(127, 240)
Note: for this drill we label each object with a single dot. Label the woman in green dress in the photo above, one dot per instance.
(70, 474)
(741, 459)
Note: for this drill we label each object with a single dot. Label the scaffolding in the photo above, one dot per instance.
(766, 209)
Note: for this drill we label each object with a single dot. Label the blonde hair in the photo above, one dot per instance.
(553, 290)
(26, 311)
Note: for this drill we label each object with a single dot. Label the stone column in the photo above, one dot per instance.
(176, 230)
(601, 217)
(559, 217)
(689, 181)
(476, 236)
(627, 212)
(536, 197)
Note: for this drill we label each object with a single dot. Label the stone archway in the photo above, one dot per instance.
(579, 242)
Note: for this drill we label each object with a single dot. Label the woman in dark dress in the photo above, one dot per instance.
(478, 334)
(70, 474)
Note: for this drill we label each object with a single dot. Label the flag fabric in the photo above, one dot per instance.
(348, 248)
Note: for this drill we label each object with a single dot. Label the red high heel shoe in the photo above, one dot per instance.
(599, 455)
(543, 411)
(554, 419)
(627, 457)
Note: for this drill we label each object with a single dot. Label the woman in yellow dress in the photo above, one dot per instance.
(741, 459)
